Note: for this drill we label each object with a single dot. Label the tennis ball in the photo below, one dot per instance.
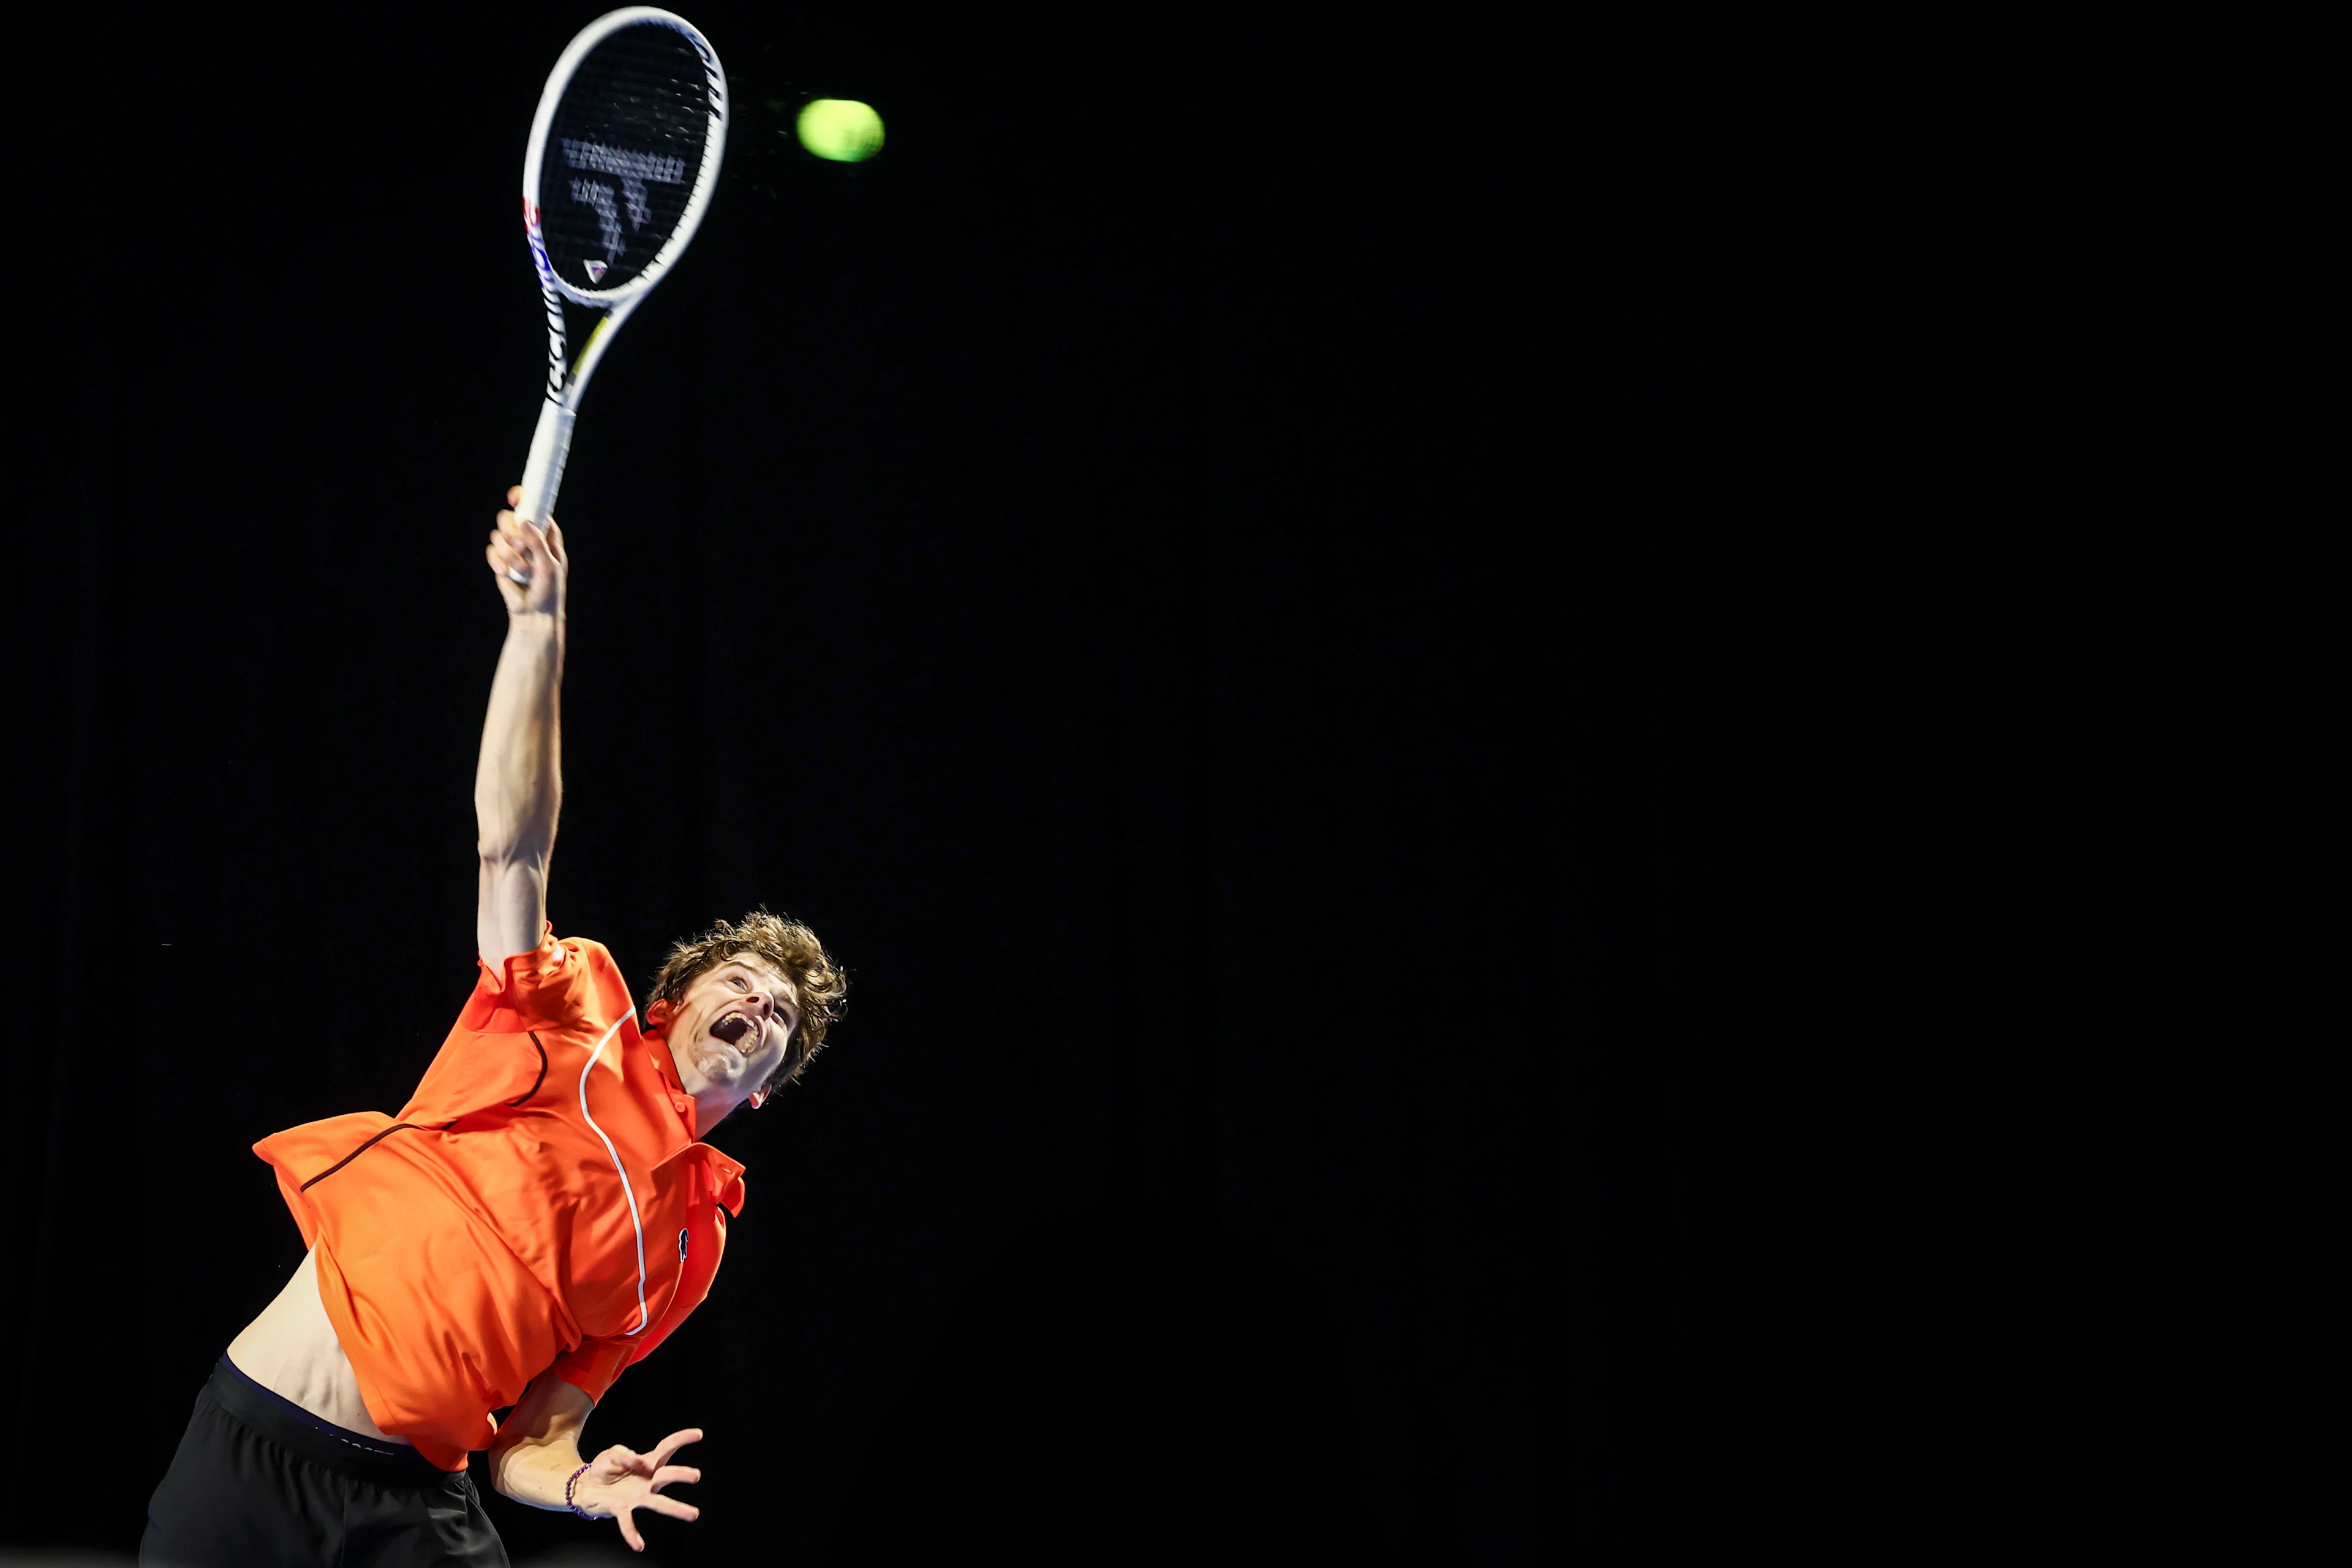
(841, 129)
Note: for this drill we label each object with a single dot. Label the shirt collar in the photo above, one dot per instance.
(725, 1174)
(680, 1103)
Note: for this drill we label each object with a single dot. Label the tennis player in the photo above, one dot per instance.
(541, 1214)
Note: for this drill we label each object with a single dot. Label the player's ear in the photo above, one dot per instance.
(760, 1097)
(660, 1013)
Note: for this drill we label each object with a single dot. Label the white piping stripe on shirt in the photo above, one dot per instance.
(627, 1191)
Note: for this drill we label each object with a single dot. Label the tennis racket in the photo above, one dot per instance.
(623, 155)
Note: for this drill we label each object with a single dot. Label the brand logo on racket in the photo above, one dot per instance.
(636, 170)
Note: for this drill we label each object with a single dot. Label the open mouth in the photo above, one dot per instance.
(735, 1029)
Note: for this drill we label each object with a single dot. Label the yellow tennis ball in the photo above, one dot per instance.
(841, 129)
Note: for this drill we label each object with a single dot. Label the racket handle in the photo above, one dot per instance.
(542, 475)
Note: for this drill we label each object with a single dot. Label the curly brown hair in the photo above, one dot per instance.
(785, 944)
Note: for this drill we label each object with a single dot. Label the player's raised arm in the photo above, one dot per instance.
(519, 784)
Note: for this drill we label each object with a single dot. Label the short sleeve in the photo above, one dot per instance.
(549, 987)
(594, 1365)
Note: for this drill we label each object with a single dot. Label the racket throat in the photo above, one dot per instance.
(543, 474)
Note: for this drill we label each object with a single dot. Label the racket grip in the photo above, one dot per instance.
(542, 475)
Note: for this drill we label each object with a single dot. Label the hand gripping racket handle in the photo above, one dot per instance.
(543, 474)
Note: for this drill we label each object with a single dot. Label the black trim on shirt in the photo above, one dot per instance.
(542, 1068)
(354, 1154)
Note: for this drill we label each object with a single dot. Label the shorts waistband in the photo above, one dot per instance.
(318, 1440)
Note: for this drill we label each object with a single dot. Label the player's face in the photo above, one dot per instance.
(730, 1030)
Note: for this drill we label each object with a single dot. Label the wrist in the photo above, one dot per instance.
(572, 1499)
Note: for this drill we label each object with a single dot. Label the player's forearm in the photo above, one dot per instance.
(535, 1472)
(518, 783)
(537, 1445)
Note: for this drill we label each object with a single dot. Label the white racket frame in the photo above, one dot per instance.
(551, 443)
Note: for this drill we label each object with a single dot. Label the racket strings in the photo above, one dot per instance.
(624, 151)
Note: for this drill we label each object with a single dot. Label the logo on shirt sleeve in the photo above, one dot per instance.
(682, 1246)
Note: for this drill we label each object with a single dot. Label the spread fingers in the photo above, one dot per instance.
(675, 1441)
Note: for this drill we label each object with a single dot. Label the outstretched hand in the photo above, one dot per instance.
(621, 1481)
(527, 562)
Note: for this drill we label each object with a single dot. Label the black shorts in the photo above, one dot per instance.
(260, 1482)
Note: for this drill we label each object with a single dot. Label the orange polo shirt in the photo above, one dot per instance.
(540, 1204)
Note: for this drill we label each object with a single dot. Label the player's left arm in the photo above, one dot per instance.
(519, 782)
(538, 1448)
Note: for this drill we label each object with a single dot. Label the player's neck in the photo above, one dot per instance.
(712, 1106)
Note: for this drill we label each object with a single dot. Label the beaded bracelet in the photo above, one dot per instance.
(567, 1493)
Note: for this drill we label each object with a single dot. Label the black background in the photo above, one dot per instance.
(1280, 593)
